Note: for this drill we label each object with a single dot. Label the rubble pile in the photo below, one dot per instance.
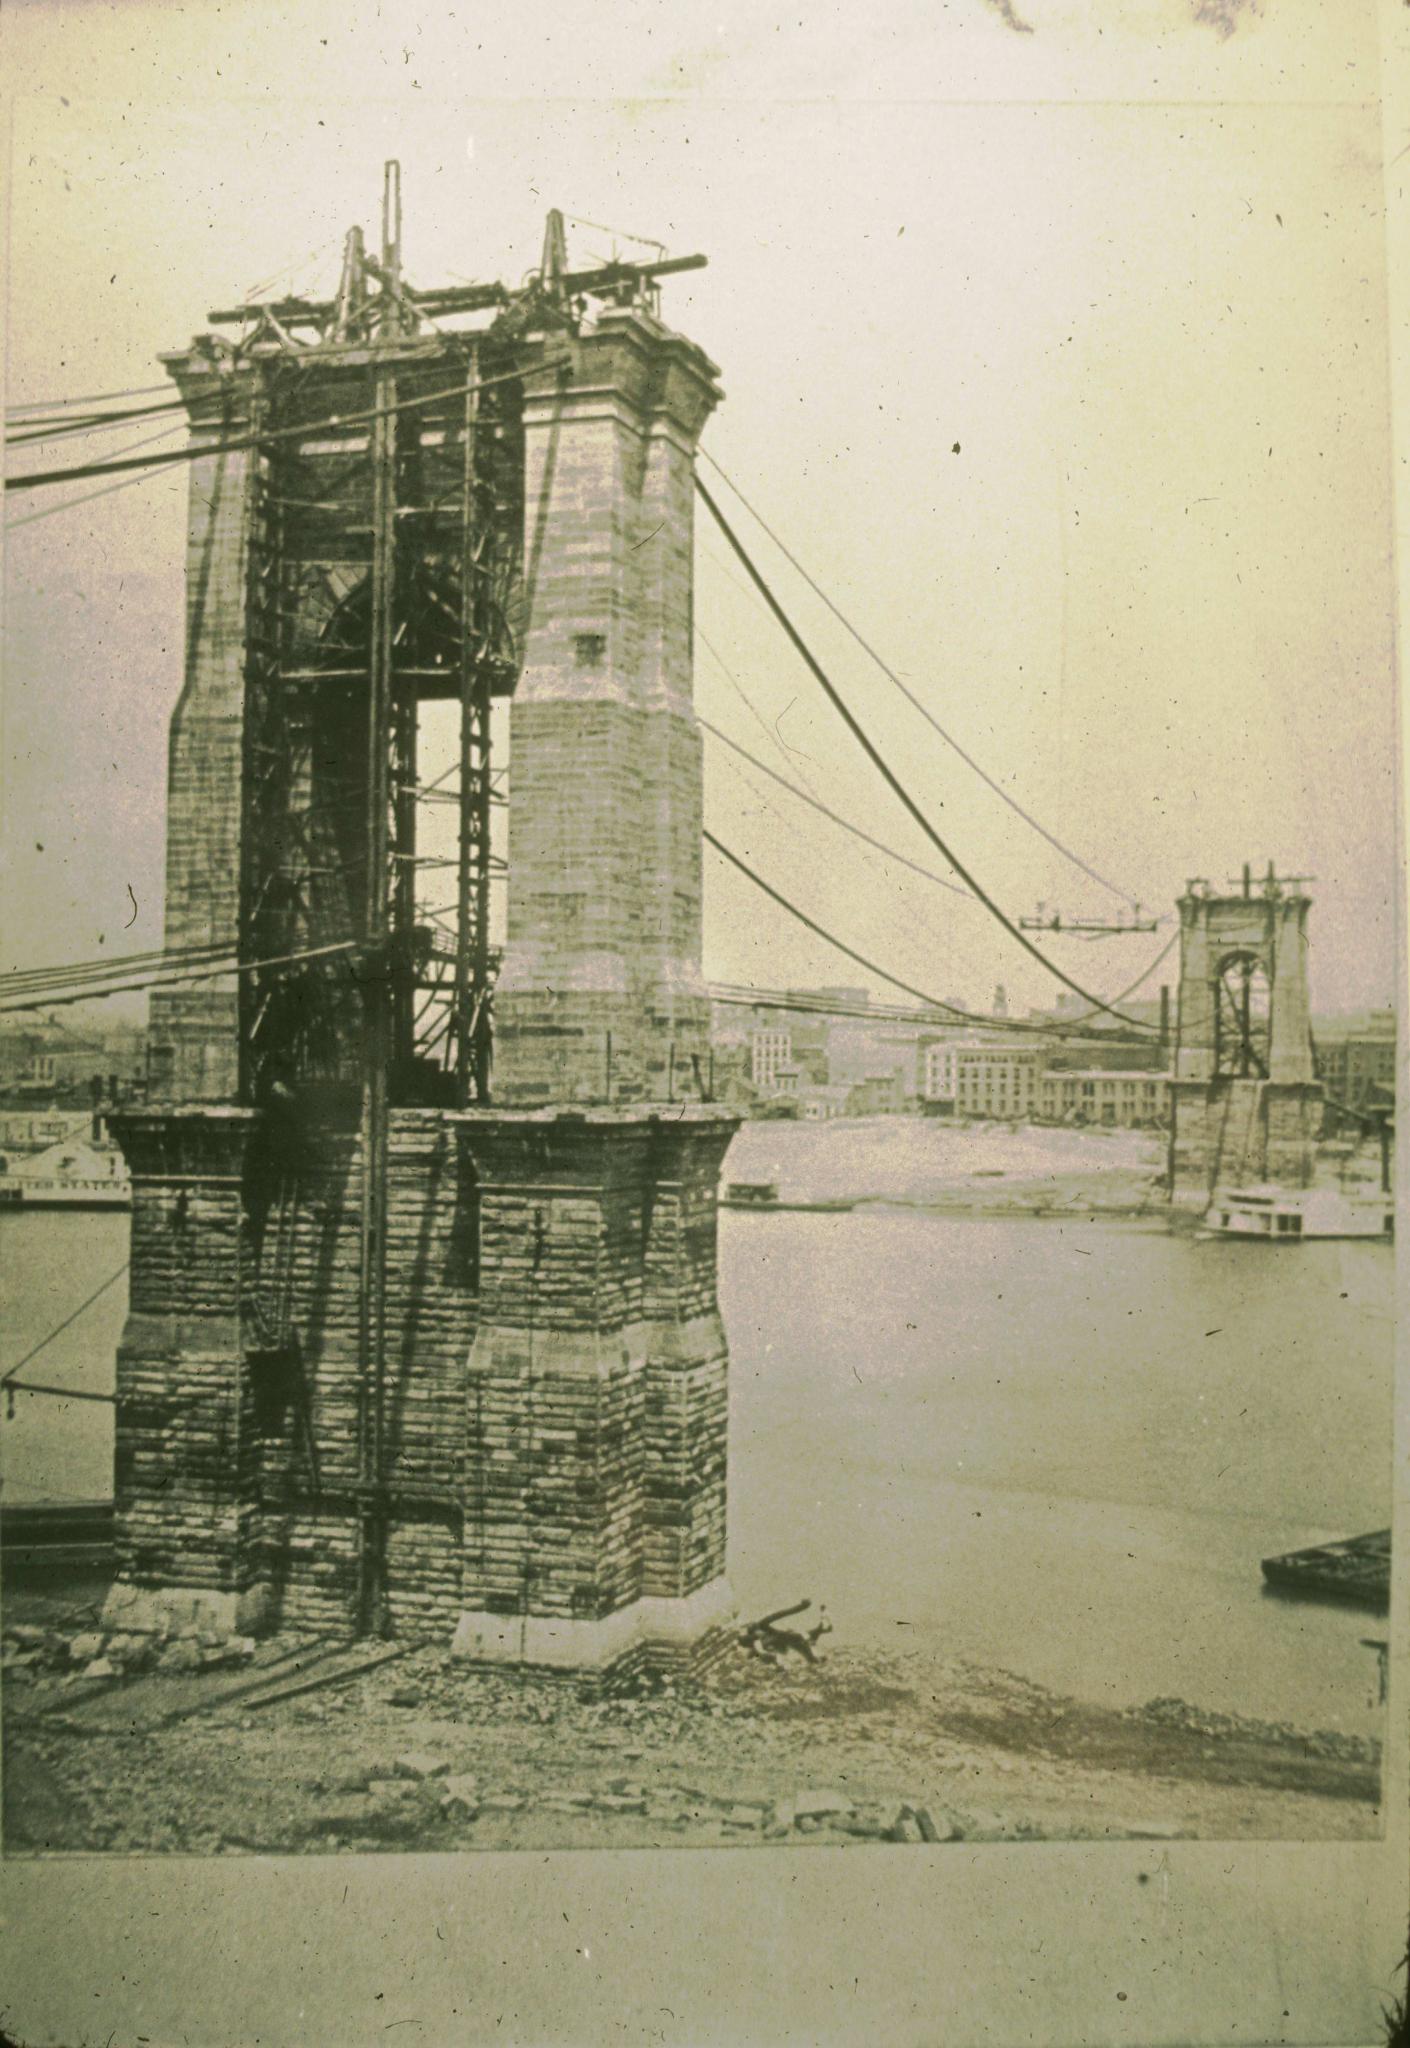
(1318, 1742)
(328, 1744)
(29, 1654)
(414, 1792)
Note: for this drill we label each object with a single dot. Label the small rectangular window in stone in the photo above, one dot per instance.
(590, 649)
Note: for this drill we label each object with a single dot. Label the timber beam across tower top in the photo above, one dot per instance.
(609, 281)
(376, 312)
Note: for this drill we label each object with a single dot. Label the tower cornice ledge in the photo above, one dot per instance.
(657, 370)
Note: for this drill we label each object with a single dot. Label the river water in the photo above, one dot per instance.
(1060, 1448)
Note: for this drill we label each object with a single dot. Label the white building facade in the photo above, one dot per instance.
(770, 1053)
(1097, 1095)
(984, 1079)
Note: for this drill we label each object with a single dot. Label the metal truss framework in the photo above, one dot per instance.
(382, 576)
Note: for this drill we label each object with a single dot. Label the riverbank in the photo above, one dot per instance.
(983, 1169)
(1059, 1449)
(422, 1753)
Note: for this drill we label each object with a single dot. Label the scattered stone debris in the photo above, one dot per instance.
(815, 1805)
(417, 1764)
(1318, 1742)
(90, 1654)
(460, 1800)
(135, 1653)
(620, 1802)
(181, 1655)
(870, 1750)
(745, 1816)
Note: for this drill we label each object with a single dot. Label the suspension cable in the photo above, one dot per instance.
(928, 874)
(1011, 1024)
(217, 961)
(228, 445)
(911, 697)
(893, 781)
(104, 490)
(123, 963)
(51, 427)
(19, 406)
(159, 978)
(59, 1328)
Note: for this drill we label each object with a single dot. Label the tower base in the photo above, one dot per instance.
(1231, 1133)
(555, 1401)
(651, 1635)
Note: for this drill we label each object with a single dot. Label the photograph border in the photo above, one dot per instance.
(1182, 1941)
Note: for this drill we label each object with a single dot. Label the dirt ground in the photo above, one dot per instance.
(425, 1753)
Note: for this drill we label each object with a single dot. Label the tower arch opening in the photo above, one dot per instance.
(1242, 1011)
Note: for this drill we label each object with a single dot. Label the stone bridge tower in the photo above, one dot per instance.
(598, 1175)
(423, 1330)
(1245, 1103)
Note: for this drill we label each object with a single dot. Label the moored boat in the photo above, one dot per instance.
(74, 1175)
(1356, 1570)
(1274, 1215)
(763, 1194)
(63, 1192)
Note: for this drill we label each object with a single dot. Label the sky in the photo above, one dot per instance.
(1054, 344)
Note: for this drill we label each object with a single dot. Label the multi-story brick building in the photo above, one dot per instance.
(66, 1066)
(1356, 1061)
(982, 1078)
(822, 1103)
(883, 1056)
(880, 1095)
(1102, 1095)
(770, 1053)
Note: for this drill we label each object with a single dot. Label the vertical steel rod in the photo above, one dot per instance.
(258, 682)
(403, 719)
(376, 991)
(466, 1079)
(480, 1039)
(1246, 1061)
(391, 242)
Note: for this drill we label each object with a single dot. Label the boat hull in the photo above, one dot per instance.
(40, 1194)
(1272, 1215)
(1356, 1571)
